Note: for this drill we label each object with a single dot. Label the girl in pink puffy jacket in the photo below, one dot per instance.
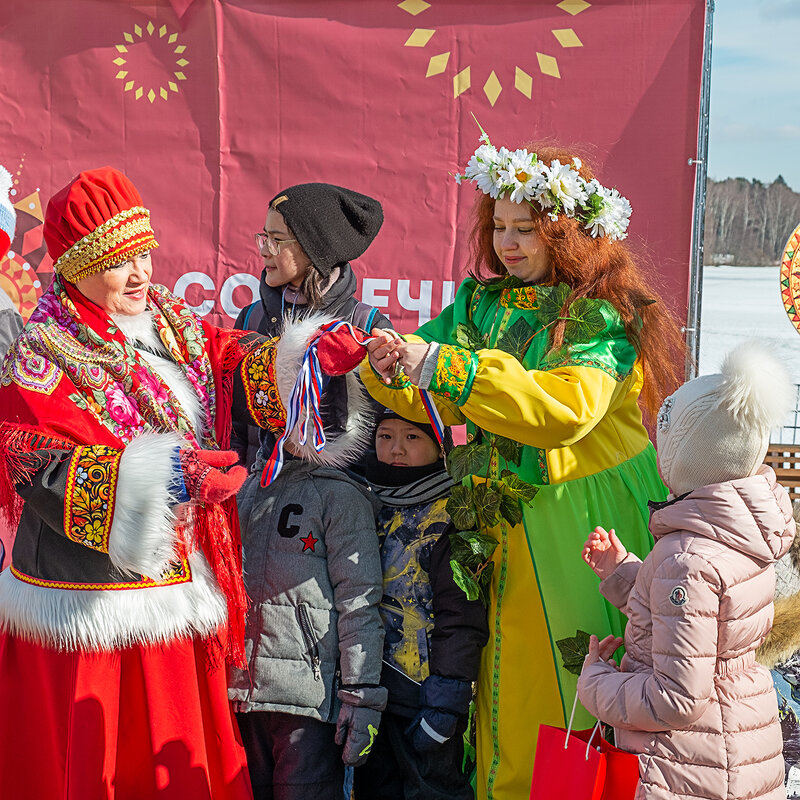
(689, 696)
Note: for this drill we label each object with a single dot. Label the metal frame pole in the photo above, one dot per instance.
(700, 162)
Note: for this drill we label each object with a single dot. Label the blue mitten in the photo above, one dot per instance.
(442, 702)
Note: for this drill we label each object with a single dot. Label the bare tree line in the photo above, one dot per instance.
(748, 222)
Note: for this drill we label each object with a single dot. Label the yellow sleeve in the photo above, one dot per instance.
(540, 408)
(403, 397)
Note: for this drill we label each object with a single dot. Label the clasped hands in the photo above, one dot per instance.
(603, 552)
(387, 350)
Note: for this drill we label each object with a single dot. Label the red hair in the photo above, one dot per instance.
(594, 268)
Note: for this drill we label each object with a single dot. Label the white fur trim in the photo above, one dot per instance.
(112, 619)
(142, 538)
(347, 446)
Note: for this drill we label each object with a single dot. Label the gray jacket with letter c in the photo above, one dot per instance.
(313, 573)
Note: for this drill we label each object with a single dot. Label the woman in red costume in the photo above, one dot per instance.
(124, 599)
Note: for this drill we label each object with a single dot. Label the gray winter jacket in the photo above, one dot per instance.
(313, 573)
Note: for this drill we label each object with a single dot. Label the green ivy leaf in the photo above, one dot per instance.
(467, 459)
(573, 650)
(485, 583)
(478, 544)
(517, 488)
(551, 302)
(465, 580)
(509, 282)
(510, 510)
(487, 504)
(510, 450)
(516, 339)
(585, 321)
(469, 336)
(462, 551)
(461, 509)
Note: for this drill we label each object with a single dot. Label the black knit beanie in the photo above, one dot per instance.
(426, 428)
(332, 224)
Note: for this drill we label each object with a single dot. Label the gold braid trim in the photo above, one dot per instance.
(116, 237)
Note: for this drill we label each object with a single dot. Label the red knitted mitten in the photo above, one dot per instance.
(204, 481)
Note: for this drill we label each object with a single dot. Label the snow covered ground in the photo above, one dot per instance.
(741, 303)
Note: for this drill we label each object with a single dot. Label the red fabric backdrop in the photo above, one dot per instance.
(213, 106)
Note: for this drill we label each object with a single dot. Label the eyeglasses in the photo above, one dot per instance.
(273, 245)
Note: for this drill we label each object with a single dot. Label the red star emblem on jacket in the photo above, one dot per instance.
(308, 542)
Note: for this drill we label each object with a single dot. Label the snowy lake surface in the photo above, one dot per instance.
(741, 303)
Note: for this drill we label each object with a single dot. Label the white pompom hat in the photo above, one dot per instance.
(716, 428)
(8, 216)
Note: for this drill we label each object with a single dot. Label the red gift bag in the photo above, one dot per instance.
(581, 765)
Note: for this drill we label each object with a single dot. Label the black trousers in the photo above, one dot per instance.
(291, 757)
(396, 771)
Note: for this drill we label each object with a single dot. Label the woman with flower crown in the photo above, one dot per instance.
(547, 353)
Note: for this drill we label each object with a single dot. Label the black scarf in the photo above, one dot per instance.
(408, 486)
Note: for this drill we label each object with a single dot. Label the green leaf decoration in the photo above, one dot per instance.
(460, 508)
(573, 650)
(509, 282)
(585, 321)
(510, 450)
(595, 203)
(485, 584)
(478, 544)
(510, 509)
(516, 339)
(469, 336)
(465, 580)
(467, 459)
(518, 488)
(462, 551)
(487, 504)
(551, 303)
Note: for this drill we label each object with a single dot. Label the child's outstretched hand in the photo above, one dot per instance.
(603, 551)
(602, 651)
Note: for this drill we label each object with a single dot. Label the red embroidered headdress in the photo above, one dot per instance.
(94, 222)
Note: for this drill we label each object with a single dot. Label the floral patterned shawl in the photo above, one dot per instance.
(71, 378)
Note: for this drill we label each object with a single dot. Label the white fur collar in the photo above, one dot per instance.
(347, 446)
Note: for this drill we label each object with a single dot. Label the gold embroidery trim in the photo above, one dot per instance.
(104, 241)
(89, 497)
(180, 573)
(260, 387)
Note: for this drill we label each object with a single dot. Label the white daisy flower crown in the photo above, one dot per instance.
(556, 188)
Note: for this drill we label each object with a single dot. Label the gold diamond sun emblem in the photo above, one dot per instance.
(132, 60)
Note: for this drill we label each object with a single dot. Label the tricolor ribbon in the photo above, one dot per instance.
(304, 403)
(433, 416)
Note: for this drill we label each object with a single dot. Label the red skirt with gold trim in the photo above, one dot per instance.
(145, 722)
